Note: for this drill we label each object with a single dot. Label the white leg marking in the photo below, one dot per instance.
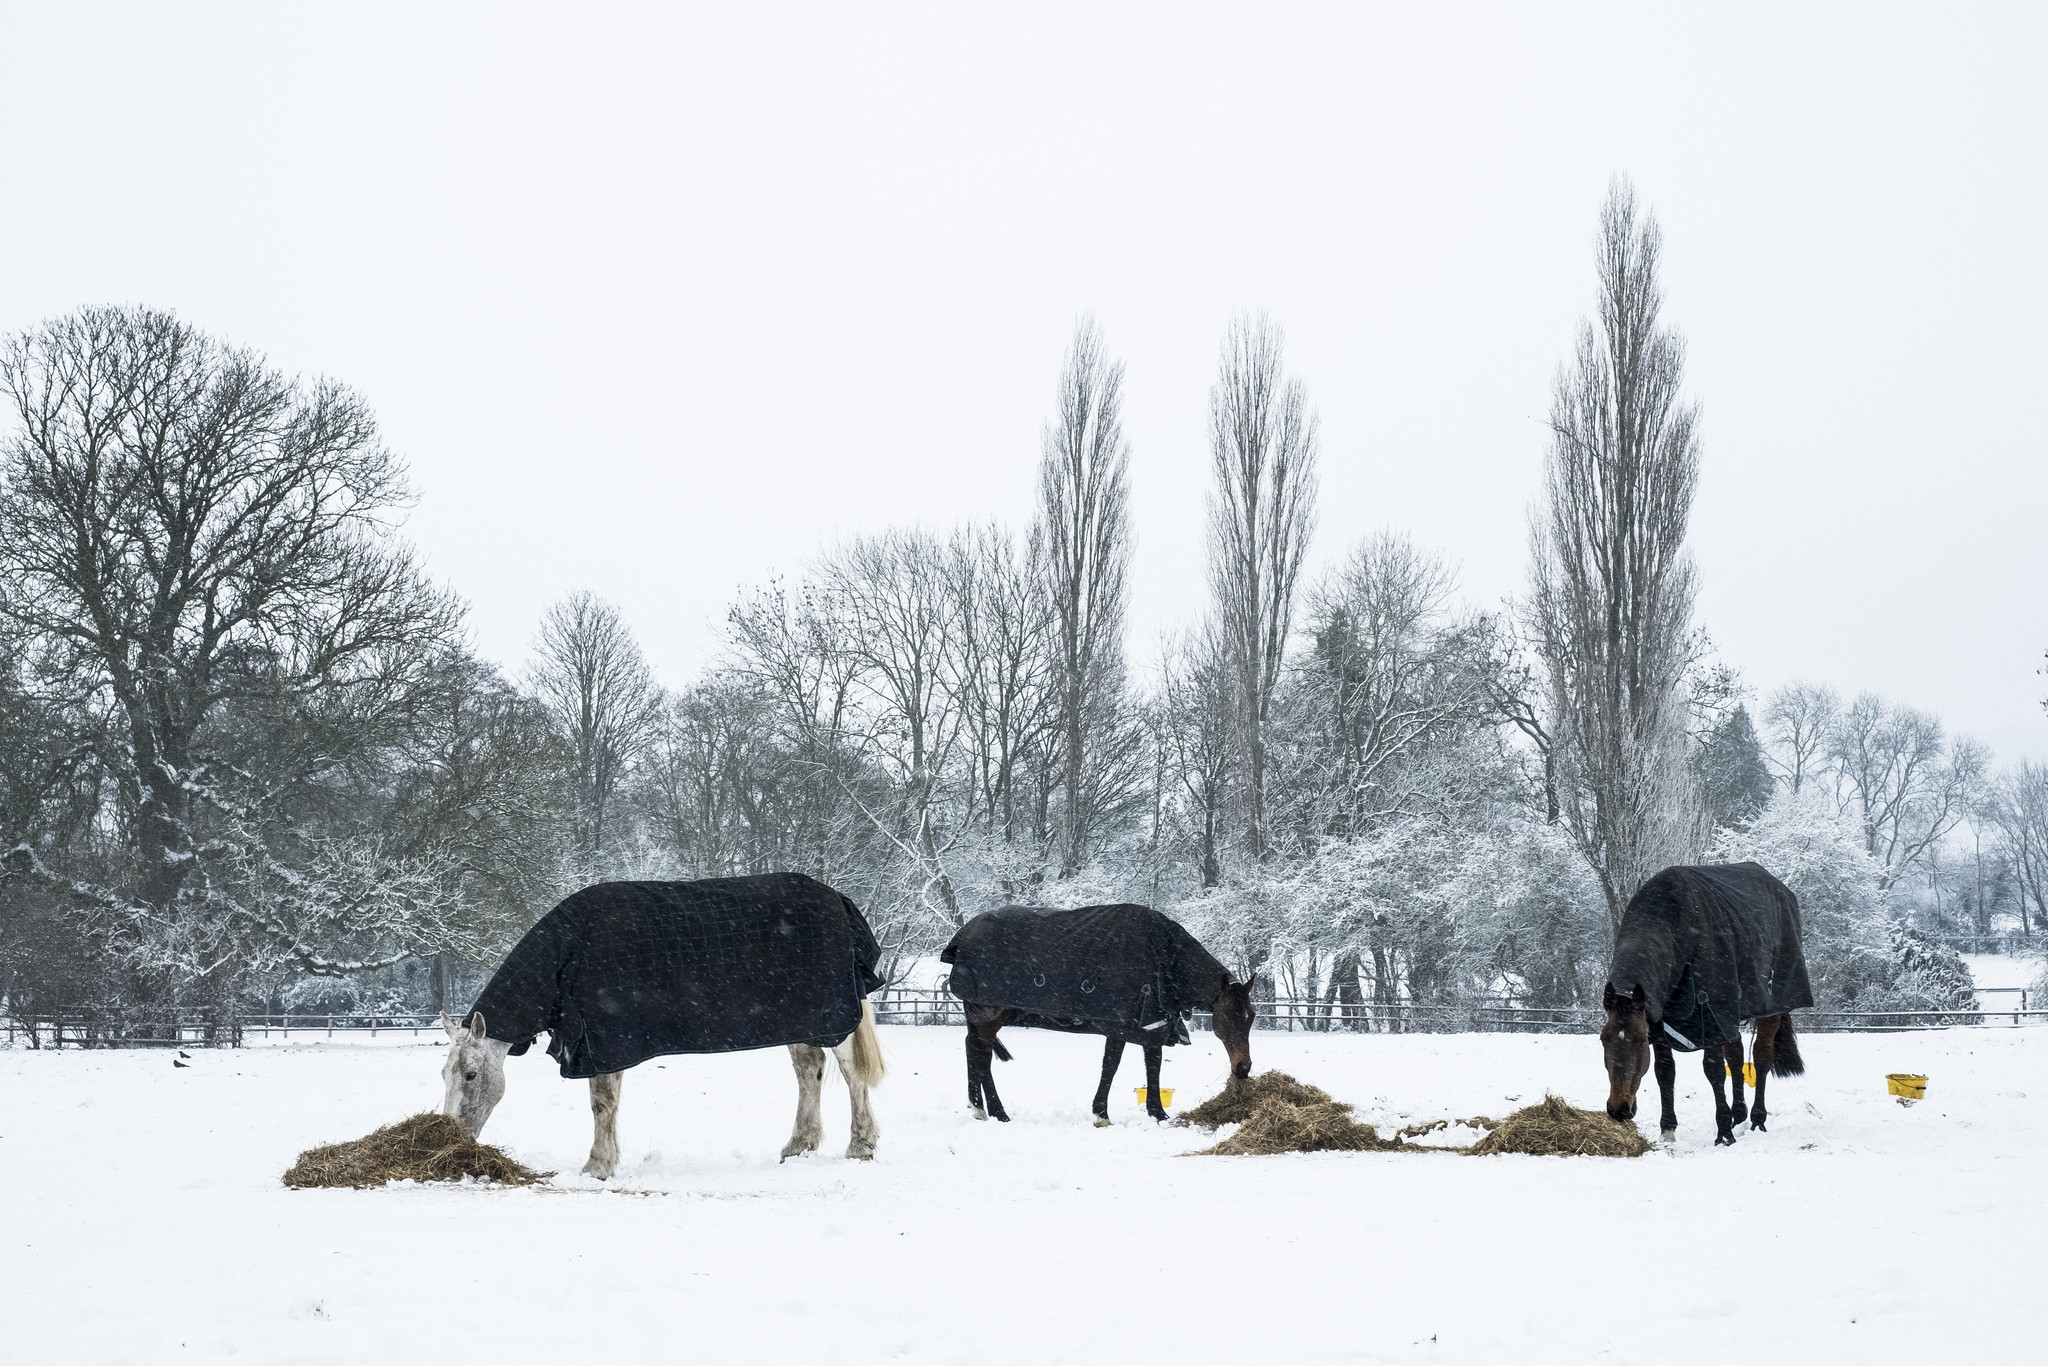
(866, 1133)
(604, 1112)
(809, 1061)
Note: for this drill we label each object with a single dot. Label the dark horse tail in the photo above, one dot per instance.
(1785, 1059)
(1001, 1052)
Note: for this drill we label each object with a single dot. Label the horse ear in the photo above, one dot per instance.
(476, 1026)
(448, 1025)
(1608, 997)
(1249, 979)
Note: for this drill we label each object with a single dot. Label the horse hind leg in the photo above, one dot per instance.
(1765, 1055)
(1714, 1062)
(866, 1133)
(1153, 1108)
(977, 1055)
(985, 1035)
(1737, 1110)
(604, 1113)
(809, 1061)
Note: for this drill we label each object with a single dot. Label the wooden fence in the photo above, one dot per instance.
(174, 1027)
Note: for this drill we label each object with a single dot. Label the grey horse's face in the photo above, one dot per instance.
(474, 1073)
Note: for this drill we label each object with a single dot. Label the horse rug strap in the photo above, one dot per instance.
(1711, 946)
(626, 971)
(1124, 971)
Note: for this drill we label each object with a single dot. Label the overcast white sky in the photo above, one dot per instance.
(659, 302)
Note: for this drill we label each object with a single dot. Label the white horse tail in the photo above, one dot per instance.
(867, 1049)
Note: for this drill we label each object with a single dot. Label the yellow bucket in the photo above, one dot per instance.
(1165, 1095)
(1749, 1075)
(1906, 1085)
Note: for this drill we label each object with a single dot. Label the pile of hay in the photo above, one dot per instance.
(1277, 1114)
(1555, 1129)
(424, 1148)
(1237, 1100)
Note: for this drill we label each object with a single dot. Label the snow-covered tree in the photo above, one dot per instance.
(1612, 582)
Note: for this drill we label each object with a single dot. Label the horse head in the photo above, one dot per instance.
(474, 1073)
(1231, 1017)
(1625, 1040)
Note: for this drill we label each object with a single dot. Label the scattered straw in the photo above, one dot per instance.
(426, 1147)
(1555, 1129)
(1277, 1114)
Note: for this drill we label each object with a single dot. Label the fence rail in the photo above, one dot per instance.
(176, 1027)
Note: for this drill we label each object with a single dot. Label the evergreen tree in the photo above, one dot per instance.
(1732, 770)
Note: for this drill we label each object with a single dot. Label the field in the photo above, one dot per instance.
(144, 1221)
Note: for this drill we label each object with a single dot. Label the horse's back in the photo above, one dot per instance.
(1712, 944)
(1122, 966)
(623, 971)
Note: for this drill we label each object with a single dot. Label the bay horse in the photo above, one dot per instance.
(1700, 950)
(626, 971)
(1124, 972)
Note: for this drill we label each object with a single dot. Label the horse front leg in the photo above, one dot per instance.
(1765, 1054)
(866, 1133)
(1667, 1086)
(1153, 1108)
(1713, 1063)
(1112, 1054)
(604, 1114)
(1737, 1110)
(809, 1061)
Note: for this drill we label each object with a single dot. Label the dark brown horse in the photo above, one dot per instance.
(1124, 972)
(1632, 1049)
(1700, 950)
(1230, 1015)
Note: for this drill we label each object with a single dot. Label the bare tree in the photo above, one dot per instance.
(1006, 688)
(1613, 585)
(2018, 813)
(1904, 781)
(589, 672)
(1198, 696)
(1390, 671)
(1262, 446)
(1084, 518)
(902, 623)
(1797, 721)
(193, 536)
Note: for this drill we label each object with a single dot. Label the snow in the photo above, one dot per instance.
(2002, 971)
(144, 1221)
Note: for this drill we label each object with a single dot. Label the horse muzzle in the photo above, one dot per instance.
(1621, 1111)
(1241, 1068)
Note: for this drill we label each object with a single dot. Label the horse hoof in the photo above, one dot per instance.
(980, 1113)
(796, 1150)
(597, 1173)
(1102, 1121)
(1739, 1113)
(1757, 1125)
(860, 1154)
(1724, 1140)
(1001, 1118)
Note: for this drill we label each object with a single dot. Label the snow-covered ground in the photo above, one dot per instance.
(141, 1217)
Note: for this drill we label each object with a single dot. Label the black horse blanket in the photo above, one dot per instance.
(1126, 972)
(626, 971)
(1710, 947)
